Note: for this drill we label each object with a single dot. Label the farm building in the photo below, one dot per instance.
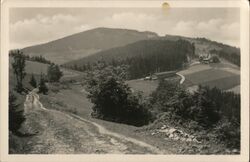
(208, 58)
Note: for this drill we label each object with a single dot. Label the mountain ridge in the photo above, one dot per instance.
(90, 42)
(85, 43)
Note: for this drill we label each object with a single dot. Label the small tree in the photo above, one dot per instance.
(54, 73)
(42, 85)
(113, 100)
(215, 59)
(18, 66)
(16, 116)
(33, 81)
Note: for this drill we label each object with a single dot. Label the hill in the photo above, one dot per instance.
(143, 57)
(204, 45)
(94, 41)
(142, 48)
(86, 43)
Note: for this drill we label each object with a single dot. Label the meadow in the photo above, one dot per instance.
(223, 76)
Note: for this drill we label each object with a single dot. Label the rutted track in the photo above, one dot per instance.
(60, 132)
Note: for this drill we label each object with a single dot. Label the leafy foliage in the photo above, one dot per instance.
(18, 66)
(229, 56)
(16, 116)
(54, 73)
(212, 109)
(33, 81)
(114, 101)
(42, 85)
(40, 58)
(230, 132)
(215, 59)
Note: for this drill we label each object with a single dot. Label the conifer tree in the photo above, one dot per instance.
(33, 81)
(42, 85)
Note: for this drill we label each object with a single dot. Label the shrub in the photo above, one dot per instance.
(16, 116)
(42, 85)
(33, 81)
(228, 132)
(207, 109)
(18, 66)
(215, 59)
(170, 97)
(113, 100)
(54, 73)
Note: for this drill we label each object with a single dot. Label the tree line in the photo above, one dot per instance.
(150, 57)
(209, 109)
(231, 57)
(40, 58)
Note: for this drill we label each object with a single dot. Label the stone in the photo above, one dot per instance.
(164, 126)
(172, 130)
(195, 140)
(164, 131)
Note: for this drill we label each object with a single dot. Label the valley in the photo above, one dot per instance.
(149, 85)
(59, 120)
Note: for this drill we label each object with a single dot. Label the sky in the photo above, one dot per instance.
(31, 26)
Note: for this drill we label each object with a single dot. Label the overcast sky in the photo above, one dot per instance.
(30, 26)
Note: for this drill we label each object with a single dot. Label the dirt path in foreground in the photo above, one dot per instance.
(58, 132)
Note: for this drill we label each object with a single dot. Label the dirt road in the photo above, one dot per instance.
(182, 78)
(56, 132)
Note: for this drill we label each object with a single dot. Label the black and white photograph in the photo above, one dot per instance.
(125, 80)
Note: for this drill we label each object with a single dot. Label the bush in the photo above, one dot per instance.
(33, 81)
(18, 66)
(207, 109)
(16, 116)
(114, 101)
(228, 132)
(215, 59)
(170, 97)
(42, 85)
(54, 73)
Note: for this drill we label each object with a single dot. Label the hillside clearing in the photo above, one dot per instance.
(145, 86)
(222, 75)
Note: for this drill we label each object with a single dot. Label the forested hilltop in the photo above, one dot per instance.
(90, 42)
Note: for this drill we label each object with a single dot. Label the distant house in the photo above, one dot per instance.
(205, 58)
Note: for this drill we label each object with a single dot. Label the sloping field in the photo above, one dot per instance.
(32, 67)
(208, 75)
(222, 75)
(37, 68)
(146, 86)
(195, 69)
(224, 83)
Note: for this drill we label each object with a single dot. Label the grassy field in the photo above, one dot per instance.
(222, 75)
(33, 67)
(145, 86)
(208, 75)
